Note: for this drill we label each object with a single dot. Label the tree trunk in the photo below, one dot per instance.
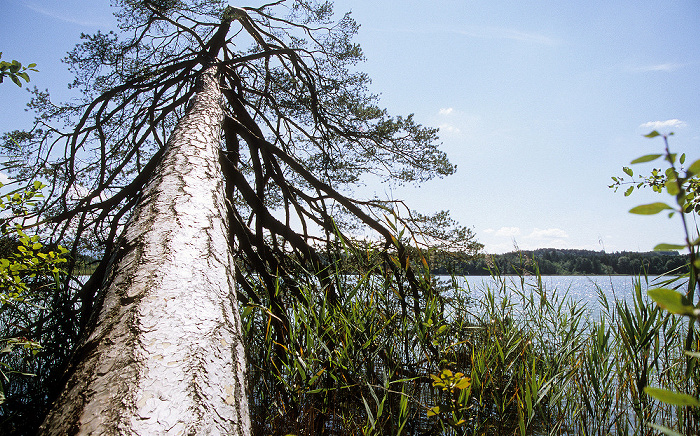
(165, 352)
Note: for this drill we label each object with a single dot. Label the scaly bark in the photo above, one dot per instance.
(165, 351)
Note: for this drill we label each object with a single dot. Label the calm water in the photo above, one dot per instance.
(584, 289)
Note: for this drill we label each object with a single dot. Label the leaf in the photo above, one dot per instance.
(464, 383)
(672, 301)
(370, 415)
(693, 169)
(435, 410)
(646, 158)
(628, 171)
(682, 160)
(664, 430)
(628, 192)
(672, 187)
(667, 247)
(650, 209)
(247, 311)
(670, 397)
(652, 134)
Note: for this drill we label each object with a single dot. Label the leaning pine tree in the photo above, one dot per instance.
(166, 351)
(267, 128)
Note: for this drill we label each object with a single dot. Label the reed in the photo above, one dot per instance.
(512, 358)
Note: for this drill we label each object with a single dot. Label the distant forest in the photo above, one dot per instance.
(550, 261)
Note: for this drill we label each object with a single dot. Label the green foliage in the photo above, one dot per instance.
(510, 358)
(650, 209)
(683, 186)
(673, 302)
(551, 261)
(20, 266)
(681, 183)
(15, 71)
(457, 388)
(342, 363)
(671, 397)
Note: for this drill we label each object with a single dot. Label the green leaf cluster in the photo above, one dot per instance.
(682, 183)
(458, 387)
(15, 71)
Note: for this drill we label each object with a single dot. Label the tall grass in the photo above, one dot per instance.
(509, 358)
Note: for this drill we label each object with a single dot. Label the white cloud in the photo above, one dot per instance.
(484, 32)
(504, 231)
(507, 239)
(449, 128)
(453, 123)
(661, 125)
(667, 67)
(552, 233)
(501, 247)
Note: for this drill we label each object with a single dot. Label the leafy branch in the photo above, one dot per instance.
(15, 71)
(683, 185)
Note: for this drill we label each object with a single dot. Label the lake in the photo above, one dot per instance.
(584, 289)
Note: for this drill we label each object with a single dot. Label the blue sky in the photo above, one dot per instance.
(538, 103)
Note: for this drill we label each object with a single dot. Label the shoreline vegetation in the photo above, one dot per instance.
(521, 359)
(543, 261)
(558, 262)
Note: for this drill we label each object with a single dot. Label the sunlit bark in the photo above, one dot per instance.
(165, 351)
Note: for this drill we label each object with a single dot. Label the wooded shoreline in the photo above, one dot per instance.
(551, 261)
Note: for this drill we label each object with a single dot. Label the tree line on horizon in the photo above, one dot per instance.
(553, 261)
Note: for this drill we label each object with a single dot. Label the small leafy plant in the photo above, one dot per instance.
(457, 386)
(15, 71)
(684, 185)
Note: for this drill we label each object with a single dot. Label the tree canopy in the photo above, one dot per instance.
(301, 127)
